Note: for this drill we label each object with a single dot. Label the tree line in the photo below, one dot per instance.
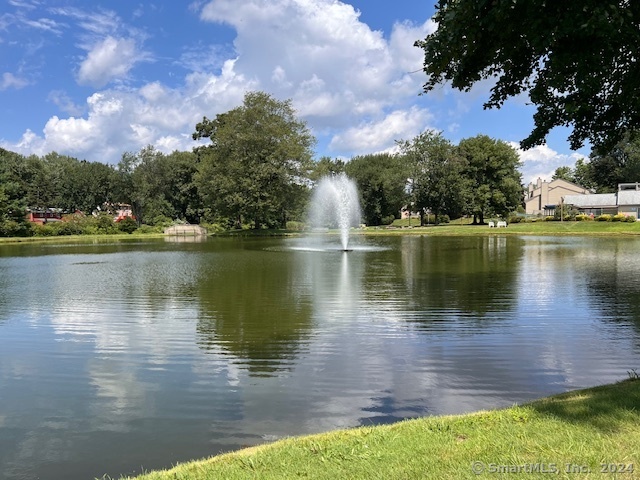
(256, 168)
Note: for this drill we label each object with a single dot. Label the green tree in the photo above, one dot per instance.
(576, 60)
(437, 182)
(13, 221)
(492, 167)
(381, 180)
(620, 164)
(326, 166)
(255, 166)
(159, 187)
(583, 174)
(152, 179)
(183, 194)
(80, 185)
(563, 173)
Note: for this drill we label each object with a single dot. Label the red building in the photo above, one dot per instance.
(44, 215)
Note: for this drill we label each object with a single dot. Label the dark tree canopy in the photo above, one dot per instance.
(492, 167)
(436, 180)
(257, 161)
(381, 182)
(576, 59)
(620, 164)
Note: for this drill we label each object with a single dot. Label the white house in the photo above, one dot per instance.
(625, 201)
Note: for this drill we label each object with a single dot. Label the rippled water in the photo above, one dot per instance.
(139, 355)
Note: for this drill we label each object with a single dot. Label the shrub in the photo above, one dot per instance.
(516, 219)
(388, 220)
(12, 228)
(161, 221)
(104, 224)
(148, 229)
(295, 226)
(213, 227)
(127, 225)
(549, 218)
(618, 218)
(630, 219)
(605, 217)
(67, 228)
(443, 219)
(584, 218)
(45, 230)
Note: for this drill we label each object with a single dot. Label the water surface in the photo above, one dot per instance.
(117, 357)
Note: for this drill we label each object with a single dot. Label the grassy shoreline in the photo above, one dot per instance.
(452, 229)
(536, 228)
(80, 238)
(590, 433)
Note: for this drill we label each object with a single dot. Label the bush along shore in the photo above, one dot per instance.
(590, 433)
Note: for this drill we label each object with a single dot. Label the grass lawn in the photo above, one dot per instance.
(80, 238)
(400, 227)
(535, 228)
(592, 433)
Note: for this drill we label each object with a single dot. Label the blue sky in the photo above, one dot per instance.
(94, 80)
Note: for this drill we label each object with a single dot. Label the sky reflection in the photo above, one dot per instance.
(157, 353)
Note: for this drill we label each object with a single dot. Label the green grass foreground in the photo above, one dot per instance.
(591, 433)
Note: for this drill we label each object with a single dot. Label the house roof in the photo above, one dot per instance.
(629, 197)
(592, 200)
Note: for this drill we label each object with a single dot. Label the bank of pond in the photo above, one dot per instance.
(453, 228)
(590, 433)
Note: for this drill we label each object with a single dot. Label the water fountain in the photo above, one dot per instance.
(335, 204)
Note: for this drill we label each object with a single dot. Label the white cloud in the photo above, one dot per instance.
(401, 44)
(542, 161)
(339, 73)
(9, 80)
(46, 24)
(381, 135)
(65, 103)
(109, 59)
(318, 52)
(22, 4)
(120, 120)
(100, 23)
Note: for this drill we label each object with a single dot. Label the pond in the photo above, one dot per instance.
(137, 355)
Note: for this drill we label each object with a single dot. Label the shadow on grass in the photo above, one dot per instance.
(606, 408)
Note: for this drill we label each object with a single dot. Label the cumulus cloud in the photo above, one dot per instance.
(542, 161)
(318, 52)
(353, 86)
(381, 135)
(120, 120)
(109, 59)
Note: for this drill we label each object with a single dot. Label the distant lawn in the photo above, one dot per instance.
(592, 433)
(80, 238)
(535, 228)
(399, 227)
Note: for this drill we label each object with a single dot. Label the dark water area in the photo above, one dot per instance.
(138, 355)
